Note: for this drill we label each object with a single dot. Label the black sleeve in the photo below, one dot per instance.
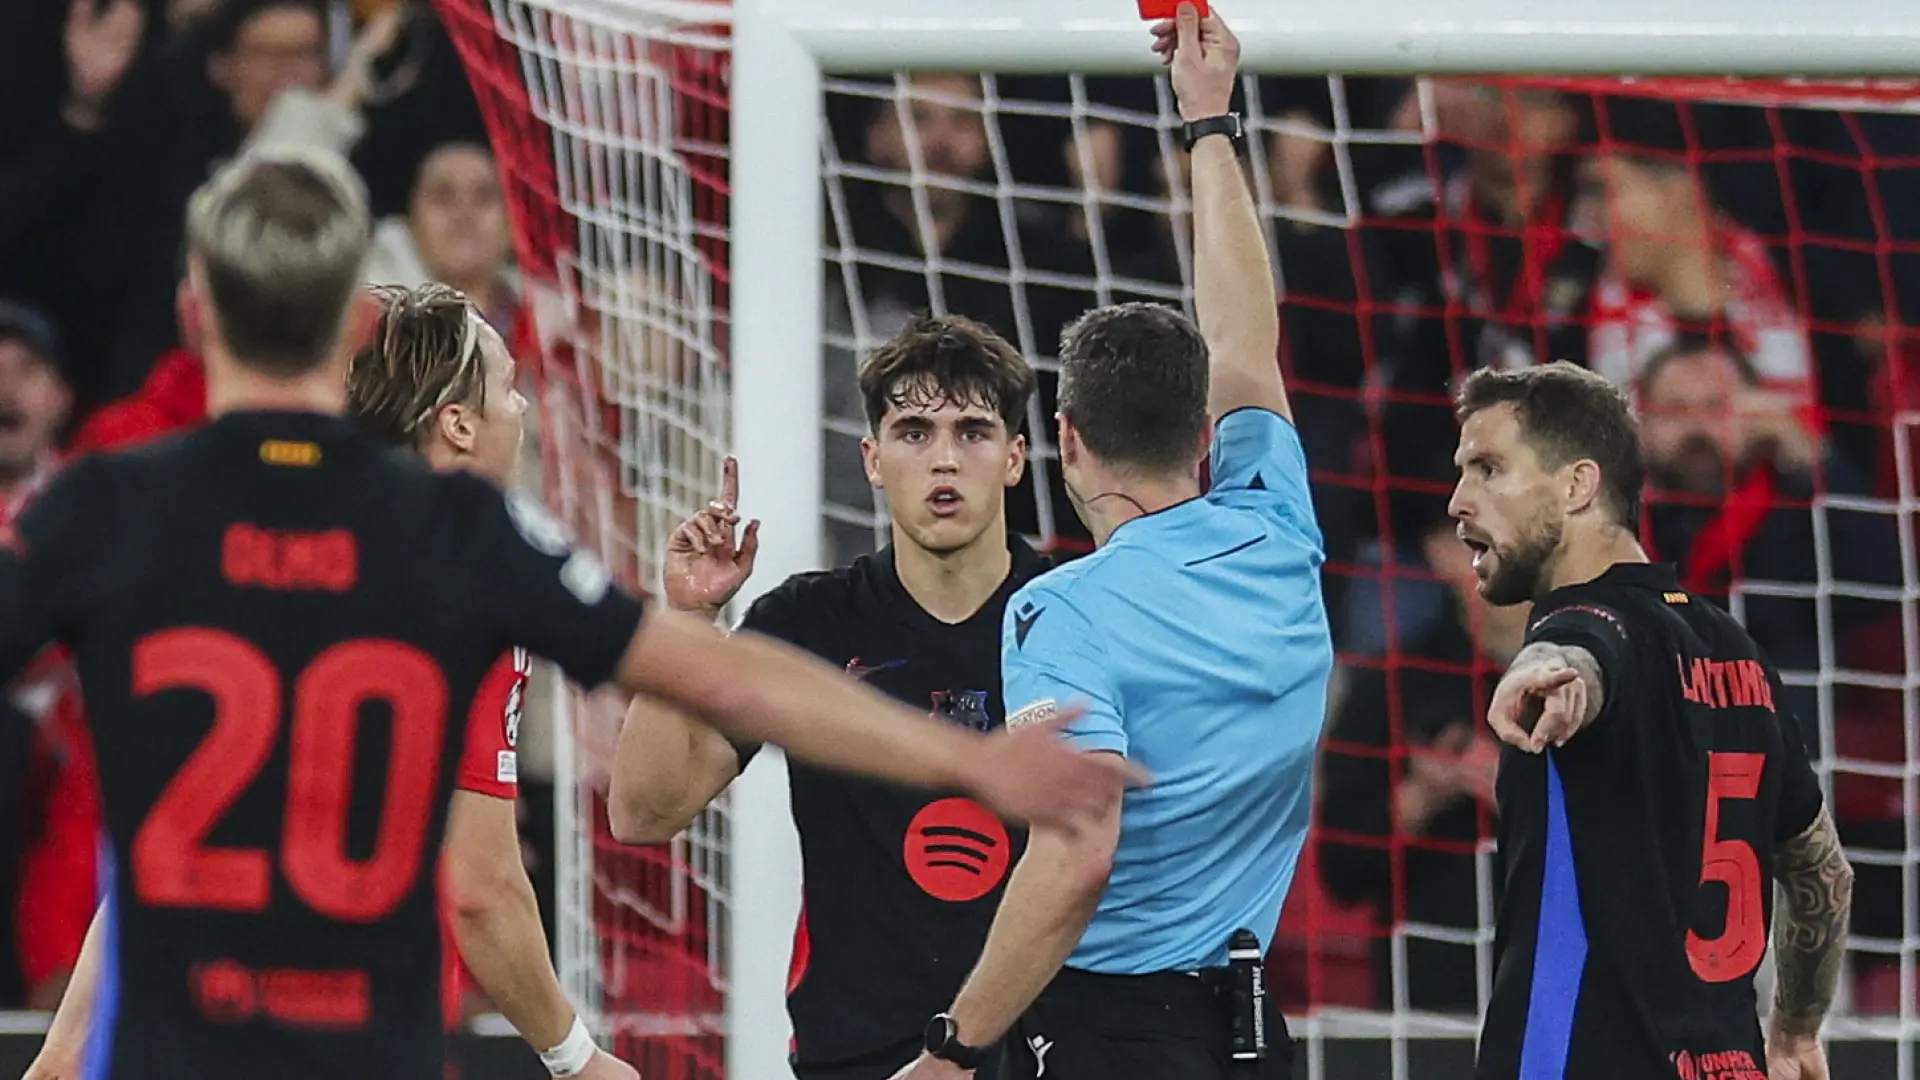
(1601, 631)
(775, 615)
(536, 590)
(1800, 798)
(46, 563)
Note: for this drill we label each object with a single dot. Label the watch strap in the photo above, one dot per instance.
(1227, 124)
(943, 1042)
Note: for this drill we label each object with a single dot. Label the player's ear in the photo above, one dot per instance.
(870, 458)
(1583, 485)
(1016, 459)
(1068, 440)
(455, 427)
(1206, 440)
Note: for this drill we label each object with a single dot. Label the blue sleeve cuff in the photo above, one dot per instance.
(1106, 739)
(1258, 462)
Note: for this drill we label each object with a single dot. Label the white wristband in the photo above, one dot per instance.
(573, 1053)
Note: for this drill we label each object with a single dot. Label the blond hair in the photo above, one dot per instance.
(281, 236)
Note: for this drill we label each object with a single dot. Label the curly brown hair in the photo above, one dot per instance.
(949, 358)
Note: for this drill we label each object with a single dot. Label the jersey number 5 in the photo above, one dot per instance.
(1733, 863)
(174, 866)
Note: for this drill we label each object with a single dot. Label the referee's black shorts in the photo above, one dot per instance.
(882, 1064)
(1166, 1026)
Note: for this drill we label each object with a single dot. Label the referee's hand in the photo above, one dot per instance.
(1204, 58)
(1539, 706)
(1029, 774)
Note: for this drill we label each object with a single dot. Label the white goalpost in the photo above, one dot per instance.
(696, 294)
(1626, 37)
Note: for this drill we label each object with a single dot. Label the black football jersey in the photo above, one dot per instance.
(900, 884)
(1636, 880)
(278, 625)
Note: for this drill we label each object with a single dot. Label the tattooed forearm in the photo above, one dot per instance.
(1810, 930)
(1549, 654)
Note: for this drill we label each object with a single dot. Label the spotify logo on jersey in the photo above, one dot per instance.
(957, 851)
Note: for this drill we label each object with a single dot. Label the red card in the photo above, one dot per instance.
(1155, 10)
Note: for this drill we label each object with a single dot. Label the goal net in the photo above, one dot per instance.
(711, 246)
(611, 135)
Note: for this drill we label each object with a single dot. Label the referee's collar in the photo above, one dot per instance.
(1171, 510)
(1660, 576)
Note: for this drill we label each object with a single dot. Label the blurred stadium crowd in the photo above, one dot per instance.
(1748, 273)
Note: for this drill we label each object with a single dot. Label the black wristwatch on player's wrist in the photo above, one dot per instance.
(943, 1042)
(1227, 124)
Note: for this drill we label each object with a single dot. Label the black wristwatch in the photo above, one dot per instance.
(1227, 124)
(943, 1042)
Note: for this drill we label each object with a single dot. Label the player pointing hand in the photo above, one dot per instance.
(707, 562)
(1539, 706)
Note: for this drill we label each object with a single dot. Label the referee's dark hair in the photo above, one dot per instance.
(949, 358)
(1568, 413)
(1133, 382)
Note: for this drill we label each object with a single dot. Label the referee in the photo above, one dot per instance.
(1197, 638)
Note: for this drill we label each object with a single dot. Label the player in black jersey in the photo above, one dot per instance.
(275, 619)
(437, 380)
(900, 886)
(1653, 788)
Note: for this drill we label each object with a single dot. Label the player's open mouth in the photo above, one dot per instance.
(1479, 548)
(945, 501)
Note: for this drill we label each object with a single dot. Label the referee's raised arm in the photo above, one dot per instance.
(1234, 294)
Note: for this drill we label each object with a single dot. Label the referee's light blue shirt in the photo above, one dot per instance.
(1198, 639)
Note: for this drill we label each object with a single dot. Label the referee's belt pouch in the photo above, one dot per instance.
(1167, 1004)
(1233, 1016)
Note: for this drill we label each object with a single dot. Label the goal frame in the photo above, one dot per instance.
(782, 47)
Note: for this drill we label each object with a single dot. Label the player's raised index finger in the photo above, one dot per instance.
(730, 482)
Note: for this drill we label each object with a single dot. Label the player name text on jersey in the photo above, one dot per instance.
(327, 561)
(1725, 684)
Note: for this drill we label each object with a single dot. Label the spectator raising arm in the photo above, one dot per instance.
(1234, 295)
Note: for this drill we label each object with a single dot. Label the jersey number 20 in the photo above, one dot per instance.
(1733, 863)
(173, 865)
